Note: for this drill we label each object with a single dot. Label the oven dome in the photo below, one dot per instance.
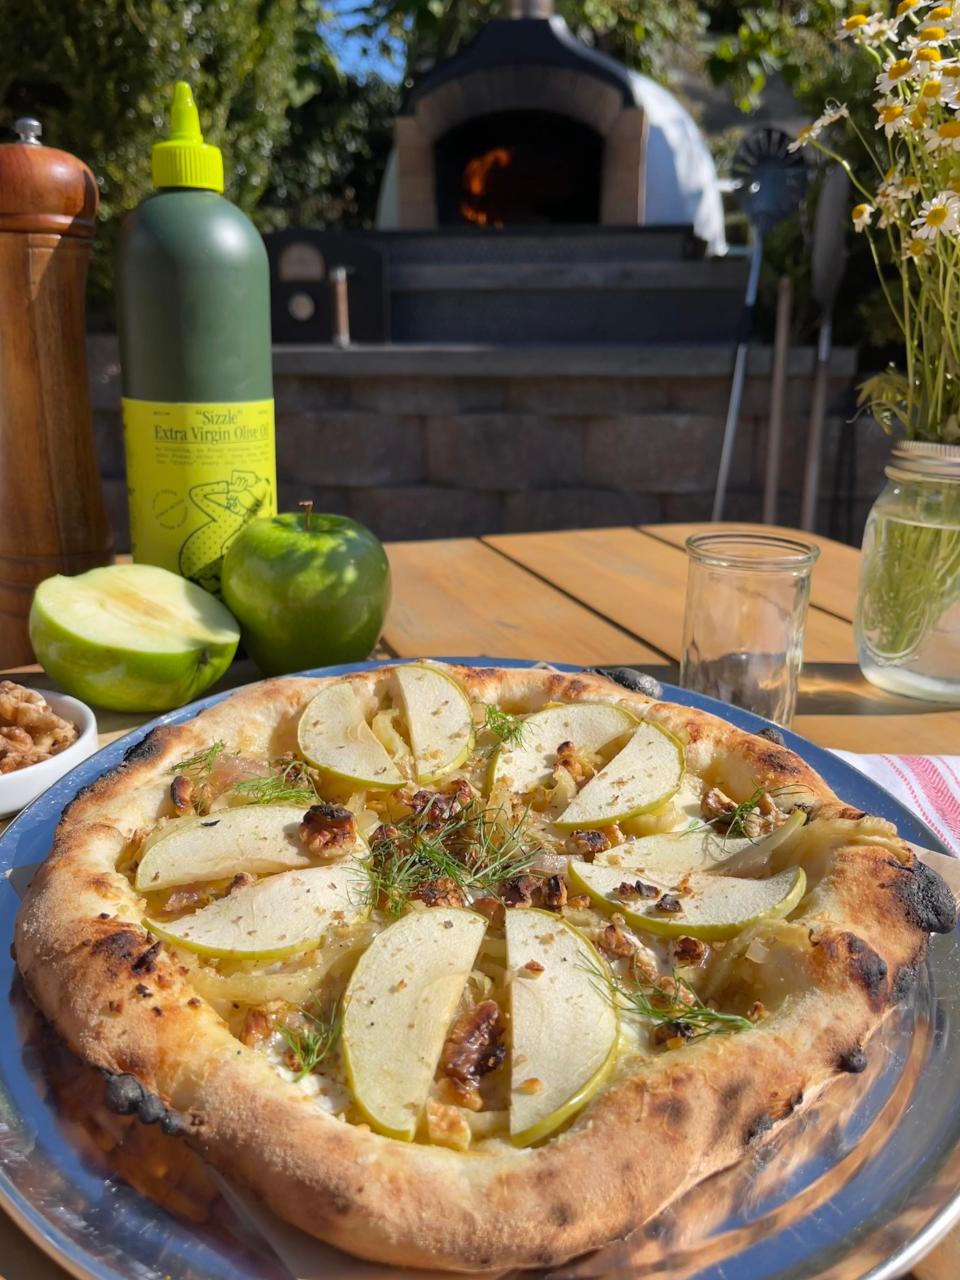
(528, 125)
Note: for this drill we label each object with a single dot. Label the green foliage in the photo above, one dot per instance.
(793, 38)
(99, 74)
(645, 33)
(327, 173)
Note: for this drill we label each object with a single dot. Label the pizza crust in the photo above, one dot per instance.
(125, 1004)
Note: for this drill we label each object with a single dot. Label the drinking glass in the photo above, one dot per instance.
(747, 597)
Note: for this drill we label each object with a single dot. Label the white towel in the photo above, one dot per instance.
(927, 785)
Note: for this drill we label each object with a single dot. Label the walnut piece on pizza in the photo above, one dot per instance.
(398, 1013)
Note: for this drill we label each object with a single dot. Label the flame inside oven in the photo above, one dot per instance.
(476, 183)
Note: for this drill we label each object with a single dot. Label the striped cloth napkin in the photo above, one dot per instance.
(928, 785)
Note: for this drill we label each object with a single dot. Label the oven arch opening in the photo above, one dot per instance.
(519, 168)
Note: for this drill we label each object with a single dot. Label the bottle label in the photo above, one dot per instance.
(196, 473)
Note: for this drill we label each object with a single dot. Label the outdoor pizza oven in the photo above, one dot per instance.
(526, 126)
(538, 193)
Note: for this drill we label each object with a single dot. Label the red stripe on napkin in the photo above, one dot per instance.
(925, 810)
(928, 785)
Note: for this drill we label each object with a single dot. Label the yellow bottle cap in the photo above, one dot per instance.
(185, 160)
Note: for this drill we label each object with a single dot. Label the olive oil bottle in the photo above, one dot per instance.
(194, 327)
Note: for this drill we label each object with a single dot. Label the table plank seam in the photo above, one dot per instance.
(597, 613)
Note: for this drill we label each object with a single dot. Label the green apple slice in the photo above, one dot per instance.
(439, 719)
(712, 907)
(741, 856)
(257, 838)
(668, 856)
(333, 735)
(564, 1026)
(640, 778)
(588, 725)
(280, 916)
(131, 637)
(397, 1011)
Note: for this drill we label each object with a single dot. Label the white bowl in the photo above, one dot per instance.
(17, 789)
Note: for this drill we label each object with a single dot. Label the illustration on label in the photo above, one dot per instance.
(196, 473)
(228, 505)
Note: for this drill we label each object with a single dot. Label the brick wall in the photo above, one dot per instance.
(441, 442)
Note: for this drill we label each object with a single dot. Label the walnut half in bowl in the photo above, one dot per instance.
(43, 735)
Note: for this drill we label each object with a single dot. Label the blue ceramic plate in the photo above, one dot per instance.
(861, 1185)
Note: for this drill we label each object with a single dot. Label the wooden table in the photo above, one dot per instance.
(601, 596)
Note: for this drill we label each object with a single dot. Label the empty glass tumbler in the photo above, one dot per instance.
(747, 597)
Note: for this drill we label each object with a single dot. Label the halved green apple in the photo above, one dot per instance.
(711, 907)
(397, 1011)
(564, 1026)
(668, 856)
(588, 725)
(334, 736)
(280, 916)
(131, 637)
(439, 719)
(257, 838)
(640, 778)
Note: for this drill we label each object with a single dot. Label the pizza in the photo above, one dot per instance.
(470, 968)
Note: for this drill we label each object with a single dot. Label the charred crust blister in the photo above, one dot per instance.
(852, 1060)
(175, 1125)
(146, 962)
(151, 1109)
(927, 899)
(146, 750)
(124, 1094)
(635, 681)
(122, 944)
(869, 969)
(758, 1126)
(904, 980)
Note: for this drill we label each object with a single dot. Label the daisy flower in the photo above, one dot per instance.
(894, 74)
(809, 133)
(945, 137)
(895, 190)
(937, 216)
(904, 7)
(931, 35)
(917, 118)
(875, 30)
(890, 118)
(851, 27)
(860, 215)
(915, 249)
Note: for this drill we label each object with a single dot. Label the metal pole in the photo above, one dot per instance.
(341, 306)
(818, 411)
(778, 382)
(739, 375)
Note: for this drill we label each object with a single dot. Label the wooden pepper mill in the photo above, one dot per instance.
(52, 516)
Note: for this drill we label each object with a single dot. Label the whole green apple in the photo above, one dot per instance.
(308, 590)
(131, 637)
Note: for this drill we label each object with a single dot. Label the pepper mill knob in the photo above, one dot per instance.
(29, 130)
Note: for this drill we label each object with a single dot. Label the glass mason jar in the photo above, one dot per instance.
(908, 611)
